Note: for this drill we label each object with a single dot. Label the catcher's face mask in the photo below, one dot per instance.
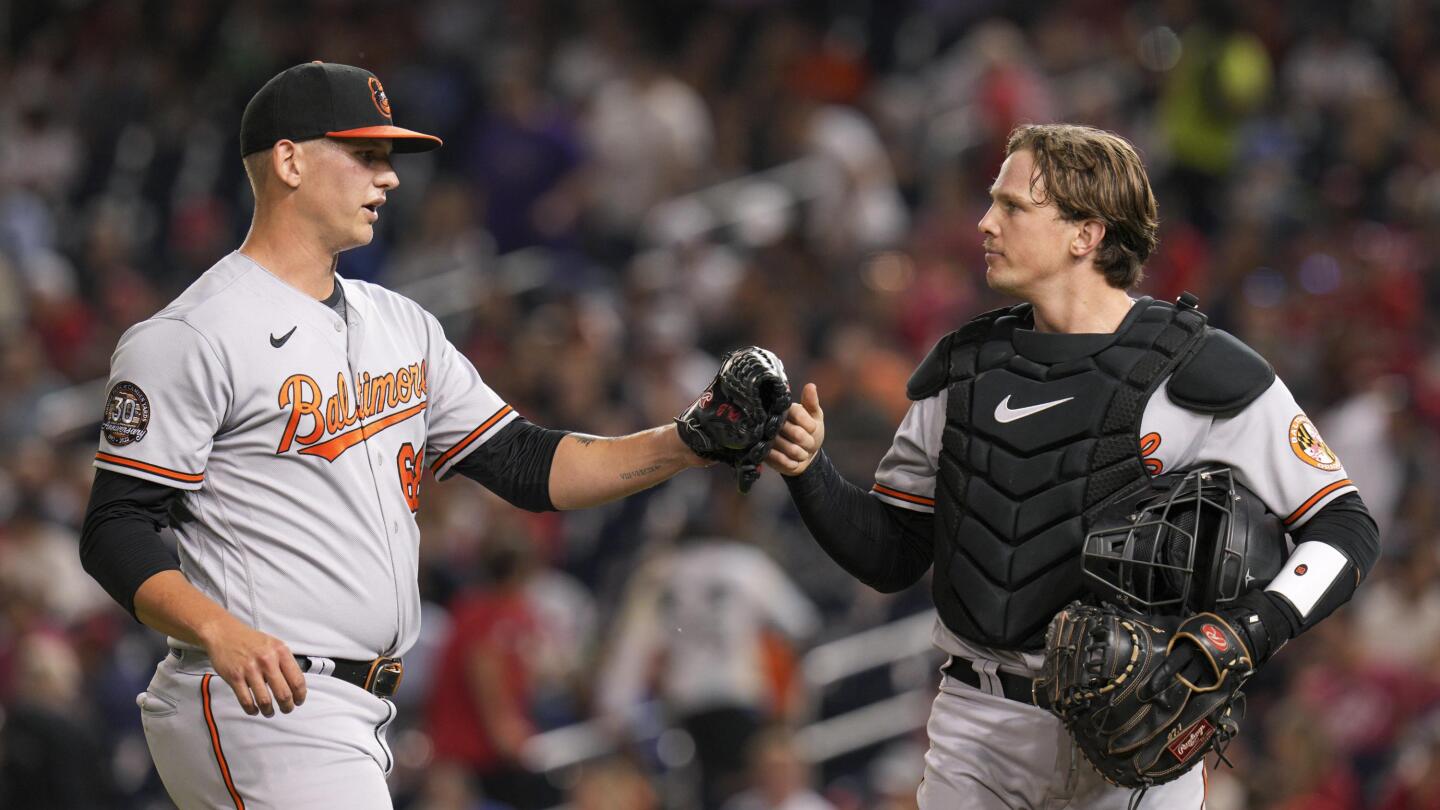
(1191, 542)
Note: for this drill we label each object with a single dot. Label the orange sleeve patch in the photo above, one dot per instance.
(1307, 445)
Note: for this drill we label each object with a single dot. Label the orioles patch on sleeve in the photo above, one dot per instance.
(1309, 447)
(127, 414)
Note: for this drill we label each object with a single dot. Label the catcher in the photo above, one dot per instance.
(1037, 429)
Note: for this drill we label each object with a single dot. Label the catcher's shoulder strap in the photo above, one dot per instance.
(1221, 377)
(935, 372)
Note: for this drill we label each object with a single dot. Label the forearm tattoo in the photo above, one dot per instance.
(640, 473)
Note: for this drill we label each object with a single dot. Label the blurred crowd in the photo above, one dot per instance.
(628, 189)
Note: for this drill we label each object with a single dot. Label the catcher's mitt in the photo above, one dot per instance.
(737, 417)
(1144, 705)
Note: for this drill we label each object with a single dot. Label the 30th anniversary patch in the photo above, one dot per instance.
(127, 414)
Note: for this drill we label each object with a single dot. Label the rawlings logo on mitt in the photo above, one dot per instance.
(736, 419)
(1143, 704)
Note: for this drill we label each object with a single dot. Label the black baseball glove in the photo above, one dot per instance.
(737, 417)
(1143, 704)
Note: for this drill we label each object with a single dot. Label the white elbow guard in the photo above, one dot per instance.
(1315, 580)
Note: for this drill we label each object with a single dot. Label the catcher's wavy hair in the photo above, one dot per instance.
(1093, 174)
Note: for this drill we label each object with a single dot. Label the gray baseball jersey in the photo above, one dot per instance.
(299, 439)
(1272, 445)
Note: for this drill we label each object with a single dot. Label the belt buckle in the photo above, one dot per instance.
(384, 678)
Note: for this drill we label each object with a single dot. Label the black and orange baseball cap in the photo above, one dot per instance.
(324, 100)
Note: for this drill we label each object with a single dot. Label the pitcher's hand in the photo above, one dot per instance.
(259, 667)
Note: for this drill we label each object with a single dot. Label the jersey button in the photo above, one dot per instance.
(338, 327)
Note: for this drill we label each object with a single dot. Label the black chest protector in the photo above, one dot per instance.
(1041, 433)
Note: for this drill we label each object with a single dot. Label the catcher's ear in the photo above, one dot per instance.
(1088, 236)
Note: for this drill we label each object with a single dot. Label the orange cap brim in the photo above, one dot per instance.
(406, 140)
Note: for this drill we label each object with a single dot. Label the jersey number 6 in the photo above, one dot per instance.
(411, 466)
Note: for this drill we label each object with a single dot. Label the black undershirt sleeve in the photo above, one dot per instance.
(515, 464)
(885, 547)
(1345, 524)
(120, 545)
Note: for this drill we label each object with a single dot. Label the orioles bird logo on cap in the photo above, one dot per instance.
(377, 95)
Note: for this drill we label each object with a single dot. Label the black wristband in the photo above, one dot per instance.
(1264, 621)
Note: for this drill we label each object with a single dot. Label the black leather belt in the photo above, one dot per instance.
(380, 677)
(1016, 687)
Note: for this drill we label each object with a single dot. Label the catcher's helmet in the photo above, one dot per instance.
(1190, 542)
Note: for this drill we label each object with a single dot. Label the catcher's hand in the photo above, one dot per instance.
(1143, 704)
(737, 417)
(800, 438)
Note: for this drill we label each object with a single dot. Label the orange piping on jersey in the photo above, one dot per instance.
(903, 496)
(173, 475)
(474, 434)
(1205, 782)
(215, 743)
(332, 448)
(1314, 499)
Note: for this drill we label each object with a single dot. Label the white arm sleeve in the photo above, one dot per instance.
(1308, 575)
(464, 411)
(906, 475)
(167, 397)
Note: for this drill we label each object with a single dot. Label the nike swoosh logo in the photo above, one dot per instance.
(280, 341)
(1004, 413)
